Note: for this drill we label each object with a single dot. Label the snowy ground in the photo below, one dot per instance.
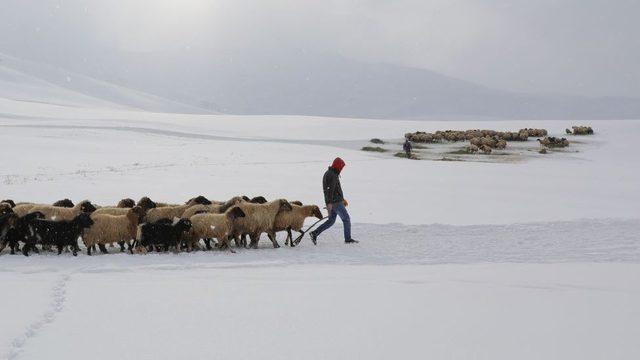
(458, 260)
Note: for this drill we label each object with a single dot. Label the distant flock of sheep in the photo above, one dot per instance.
(488, 140)
(147, 225)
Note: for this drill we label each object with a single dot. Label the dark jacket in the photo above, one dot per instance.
(331, 187)
(407, 146)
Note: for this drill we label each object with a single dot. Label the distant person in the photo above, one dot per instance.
(407, 148)
(336, 204)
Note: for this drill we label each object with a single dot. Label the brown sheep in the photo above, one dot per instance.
(472, 149)
(55, 212)
(294, 220)
(213, 208)
(501, 145)
(259, 218)
(209, 226)
(486, 149)
(110, 229)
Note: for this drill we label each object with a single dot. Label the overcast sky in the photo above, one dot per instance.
(583, 47)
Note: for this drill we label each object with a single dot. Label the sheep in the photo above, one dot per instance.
(259, 218)
(60, 233)
(294, 220)
(207, 226)
(6, 209)
(213, 208)
(472, 149)
(553, 142)
(109, 229)
(20, 232)
(146, 203)
(8, 221)
(126, 203)
(10, 202)
(56, 212)
(501, 145)
(486, 149)
(162, 234)
(258, 200)
(198, 200)
(64, 203)
(476, 141)
(163, 212)
(582, 130)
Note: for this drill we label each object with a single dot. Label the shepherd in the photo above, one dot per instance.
(407, 148)
(336, 203)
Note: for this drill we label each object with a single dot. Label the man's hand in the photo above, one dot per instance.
(329, 207)
(345, 203)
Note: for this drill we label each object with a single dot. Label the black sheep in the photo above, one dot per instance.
(65, 203)
(7, 222)
(162, 234)
(259, 200)
(10, 202)
(21, 232)
(59, 233)
(199, 200)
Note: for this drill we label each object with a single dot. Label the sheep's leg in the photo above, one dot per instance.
(89, 250)
(207, 244)
(75, 248)
(289, 239)
(243, 240)
(227, 244)
(103, 249)
(272, 236)
(121, 243)
(60, 248)
(255, 238)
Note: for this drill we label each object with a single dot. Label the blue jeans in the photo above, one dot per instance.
(337, 209)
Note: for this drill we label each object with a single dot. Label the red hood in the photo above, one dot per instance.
(338, 164)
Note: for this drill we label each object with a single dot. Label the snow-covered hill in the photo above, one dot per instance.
(28, 81)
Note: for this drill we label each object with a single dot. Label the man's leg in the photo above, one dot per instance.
(327, 224)
(346, 220)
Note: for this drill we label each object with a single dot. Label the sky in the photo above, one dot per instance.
(580, 47)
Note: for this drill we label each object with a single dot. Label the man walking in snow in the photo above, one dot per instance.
(336, 204)
(407, 148)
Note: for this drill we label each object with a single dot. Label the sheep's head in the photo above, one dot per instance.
(317, 213)
(201, 200)
(126, 203)
(84, 220)
(234, 213)
(183, 225)
(146, 203)
(284, 205)
(258, 200)
(87, 207)
(5, 209)
(246, 198)
(10, 202)
(64, 203)
(299, 203)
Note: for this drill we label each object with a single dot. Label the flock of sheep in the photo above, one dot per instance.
(147, 225)
(488, 140)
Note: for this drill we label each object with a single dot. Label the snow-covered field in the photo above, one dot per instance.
(537, 259)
